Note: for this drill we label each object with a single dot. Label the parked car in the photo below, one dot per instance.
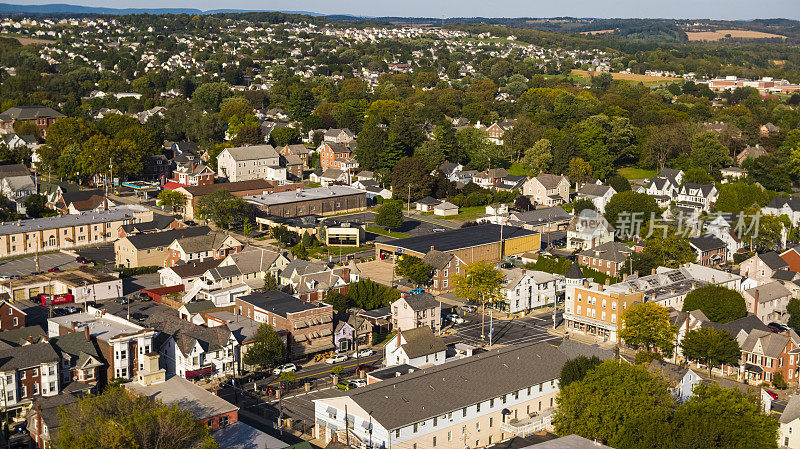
(287, 368)
(439, 229)
(336, 359)
(71, 309)
(778, 327)
(455, 318)
(772, 394)
(356, 383)
(344, 385)
(54, 270)
(123, 300)
(367, 368)
(506, 265)
(417, 291)
(468, 308)
(365, 353)
(81, 259)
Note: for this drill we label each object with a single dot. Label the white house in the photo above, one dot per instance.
(697, 196)
(598, 194)
(416, 347)
(588, 230)
(250, 162)
(524, 290)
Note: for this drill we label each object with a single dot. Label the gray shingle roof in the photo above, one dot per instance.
(437, 259)
(27, 356)
(421, 341)
(157, 239)
(435, 391)
(773, 260)
(252, 152)
(459, 238)
(421, 301)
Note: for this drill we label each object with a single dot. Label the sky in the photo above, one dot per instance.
(678, 9)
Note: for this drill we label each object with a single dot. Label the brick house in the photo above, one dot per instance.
(444, 265)
(41, 116)
(497, 130)
(710, 250)
(310, 326)
(765, 354)
(608, 258)
(11, 316)
(191, 173)
(337, 155)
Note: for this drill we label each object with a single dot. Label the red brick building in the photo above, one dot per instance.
(710, 250)
(608, 258)
(792, 257)
(765, 354)
(11, 317)
(41, 116)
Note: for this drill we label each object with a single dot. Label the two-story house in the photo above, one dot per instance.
(598, 194)
(337, 135)
(784, 206)
(588, 230)
(413, 311)
(761, 267)
(198, 248)
(765, 354)
(27, 372)
(699, 197)
(608, 258)
(416, 347)
(497, 130)
(191, 173)
(11, 316)
(491, 178)
(445, 266)
(768, 302)
(710, 250)
(547, 189)
(338, 156)
(524, 290)
(250, 162)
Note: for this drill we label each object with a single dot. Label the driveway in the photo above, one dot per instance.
(27, 265)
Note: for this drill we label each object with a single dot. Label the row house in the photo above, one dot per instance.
(28, 372)
(416, 310)
(765, 354)
(122, 344)
(160, 223)
(309, 326)
(524, 290)
(547, 189)
(608, 258)
(152, 249)
(201, 247)
(297, 150)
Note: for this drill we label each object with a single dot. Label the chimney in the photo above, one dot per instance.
(608, 281)
(431, 247)
(653, 271)
(74, 325)
(30, 338)
(523, 271)
(755, 309)
(624, 276)
(86, 333)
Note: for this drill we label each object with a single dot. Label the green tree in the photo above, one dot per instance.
(719, 304)
(120, 419)
(390, 215)
(735, 197)
(247, 228)
(716, 417)
(647, 325)
(712, 346)
(794, 313)
(224, 209)
(579, 171)
(480, 282)
(411, 175)
(209, 96)
(36, 206)
(283, 136)
(538, 157)
(300, 251)
(582, 204)
(708, 152)
(575, 370)
(432, 153)
(414, 269)
(672, 250)
(270, 283)
(267, 348)
(625, 208)
(619, 183)
(620, 404)
(337, 300)
(171, 198)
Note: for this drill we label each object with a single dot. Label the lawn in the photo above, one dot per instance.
(467, 213)
(517, 169)
(381, 231)
(636, 173)
(319, 252)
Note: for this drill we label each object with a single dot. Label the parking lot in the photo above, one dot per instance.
(26, 265)
(102, 254)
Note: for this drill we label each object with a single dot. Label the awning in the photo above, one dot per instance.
(753, 368)
(199, 372)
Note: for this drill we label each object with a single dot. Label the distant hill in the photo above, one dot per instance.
(63, 8)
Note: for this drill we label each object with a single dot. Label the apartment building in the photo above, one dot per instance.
(525, 290)
(121, 343)
(416, 310)
(595, 309)
(511, 392)
(249, 163)
(608, 258)
(28, 372)
(310, 326)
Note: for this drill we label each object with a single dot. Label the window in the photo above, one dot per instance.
(491, 403)
(35, 372)
(478, 408)
(435, 420)
(434, 442)
(16, 321)
(397, 433)
(464, 412)
(614, 305)
(477, 426)
(491, 421)
(541, 387)
(22, 375)
(415, 428)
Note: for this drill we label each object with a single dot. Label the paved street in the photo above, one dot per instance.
(26, 265)
(506, 332)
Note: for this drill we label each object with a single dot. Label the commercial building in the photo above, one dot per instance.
(84, 284)
(317, 201)
(240, 189)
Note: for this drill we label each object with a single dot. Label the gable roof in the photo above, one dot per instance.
(772, 344)
(158, 239)
(29, 113)
(769, 291)
(194, 269)
(421, 342)
(590, 189)
(612, 251)
(252, 152)
(421, 301)
(437, 259)
(707, 242)
(549, 181)
(27, 356)
(159, 222)
(773, 260)
(12, 170)
(203, 242)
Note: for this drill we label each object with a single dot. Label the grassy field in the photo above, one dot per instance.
(25, 40)
(736, 34)
(584, 77)
(381, 231)
(319, 252)
(517, 169)
(636, 173)
(467, 213)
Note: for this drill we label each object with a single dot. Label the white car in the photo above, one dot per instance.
(365, 353)
(356, 383)
(455, 319)
(336, 359)
(287, 368)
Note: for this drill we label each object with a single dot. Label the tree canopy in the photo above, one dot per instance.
(646, 324)
(713, 347)
(267, 348)
(718, 303)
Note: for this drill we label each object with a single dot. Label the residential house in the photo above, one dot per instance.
(80, 201)
(16, 184)
(152, 249)
(215, 412)
(332, 176)
(443, 264)
(337, 135)
(768, 302)
(427, 204)
(191, 173)
(309, 326)
(594, 309)
(608, 258)
(732, 174)
(255, 264)
(547, 189)
(185, 274)
(728, 229)
(43, 417)
(491, 178)
(345, 336)
(497, 130)
(761, 267)
(764, 354)
(784, 206)
(451, 170)
(122, 344)
(337, 155)
(415, 347)
(750, 152)
(156, 168)
(710, 250)
(524, 290)
(243, 329)
(699, 197)
(792, 257)
(80, 358)
(299, 150)
(769, 129)
(598, 194)
(415, 310)
(588, 230)
(294, 166)
(213, 245)
(11, 316)
(250, 163)
(159, 223)
(28, 371)
(788, 436)
(661, 189)
(372, 189)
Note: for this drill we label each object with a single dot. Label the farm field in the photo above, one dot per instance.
(628, 76)
(736, 34)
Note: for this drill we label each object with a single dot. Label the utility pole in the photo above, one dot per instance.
(408, 207)
(346, 427)
(491, 328)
